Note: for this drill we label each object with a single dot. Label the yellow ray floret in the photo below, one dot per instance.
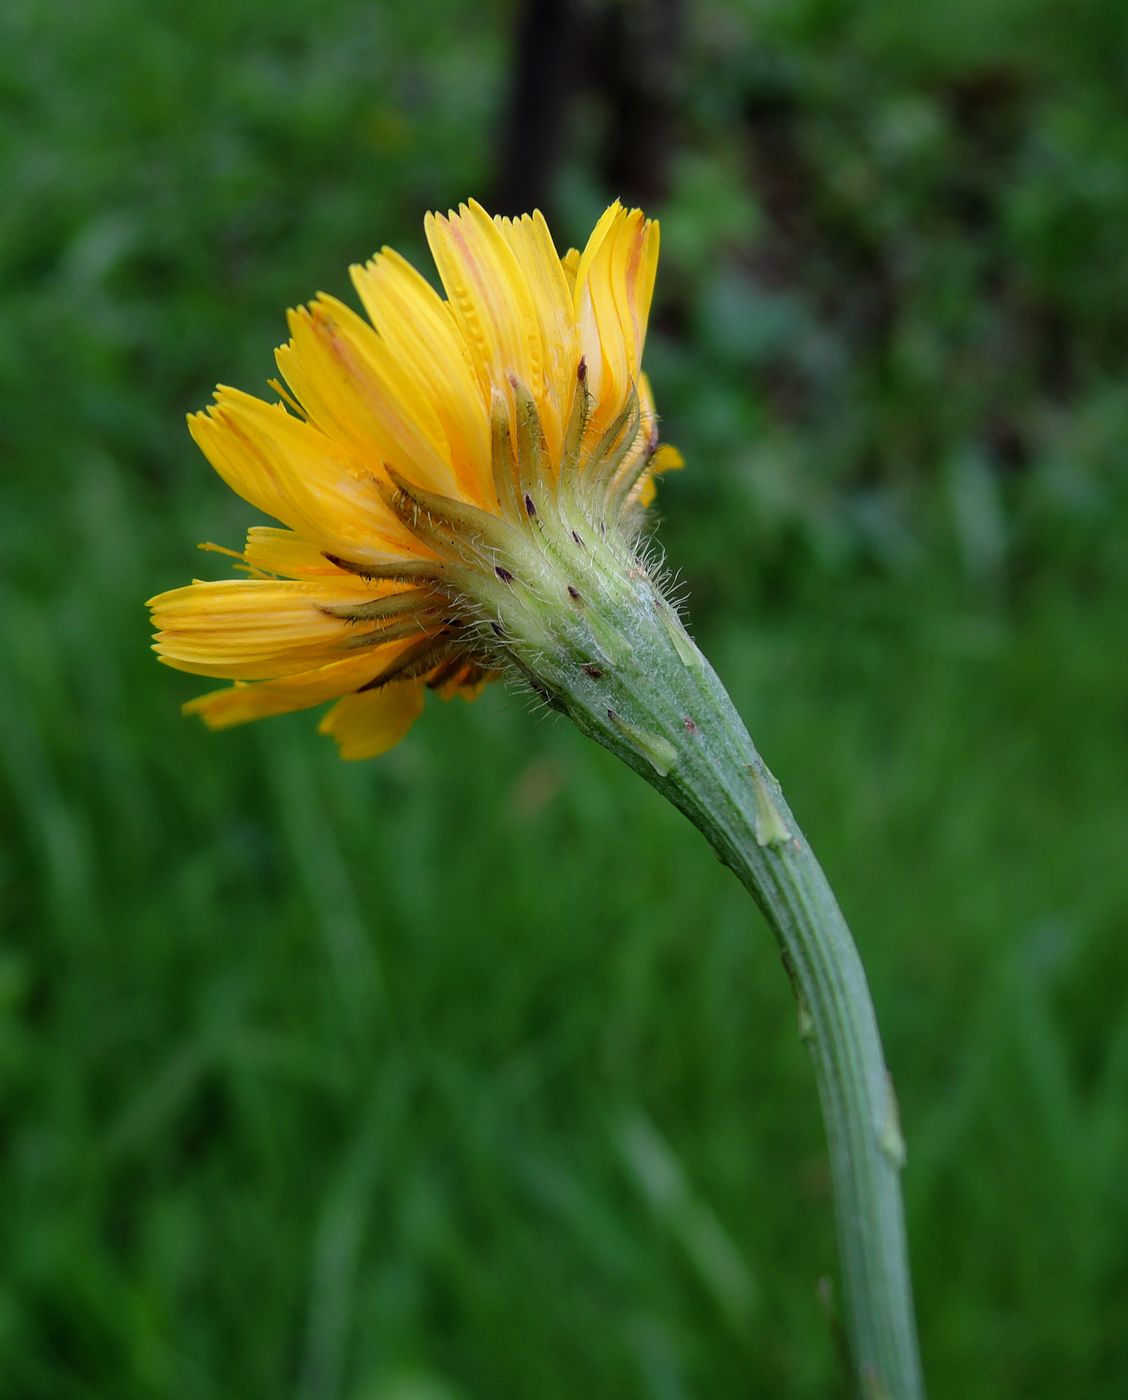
(408, 445)
(369, 722)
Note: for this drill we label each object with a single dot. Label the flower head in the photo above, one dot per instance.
(438, 471)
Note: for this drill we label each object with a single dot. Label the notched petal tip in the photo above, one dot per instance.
(666, 459)
(371, 722)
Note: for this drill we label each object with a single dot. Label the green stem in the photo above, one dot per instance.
(630, 677)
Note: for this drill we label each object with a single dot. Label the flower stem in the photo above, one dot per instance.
(651, 698)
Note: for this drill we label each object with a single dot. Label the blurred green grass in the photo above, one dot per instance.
(469, 1072)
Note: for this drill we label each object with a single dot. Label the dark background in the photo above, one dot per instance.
(469, 1073)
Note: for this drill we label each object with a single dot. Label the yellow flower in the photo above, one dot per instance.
(428, 465)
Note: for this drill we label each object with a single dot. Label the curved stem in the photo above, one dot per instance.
(631, 678)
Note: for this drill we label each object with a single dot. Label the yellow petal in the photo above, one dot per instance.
(489, 298)
(360, 395)
(551, 303)
(292, 471)
(371, 722)
(612, 215)
(614, 286)
(253, 629)
(274, 551)
(237, 704)
(416, 326)
(666, 459)
(569, 264)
